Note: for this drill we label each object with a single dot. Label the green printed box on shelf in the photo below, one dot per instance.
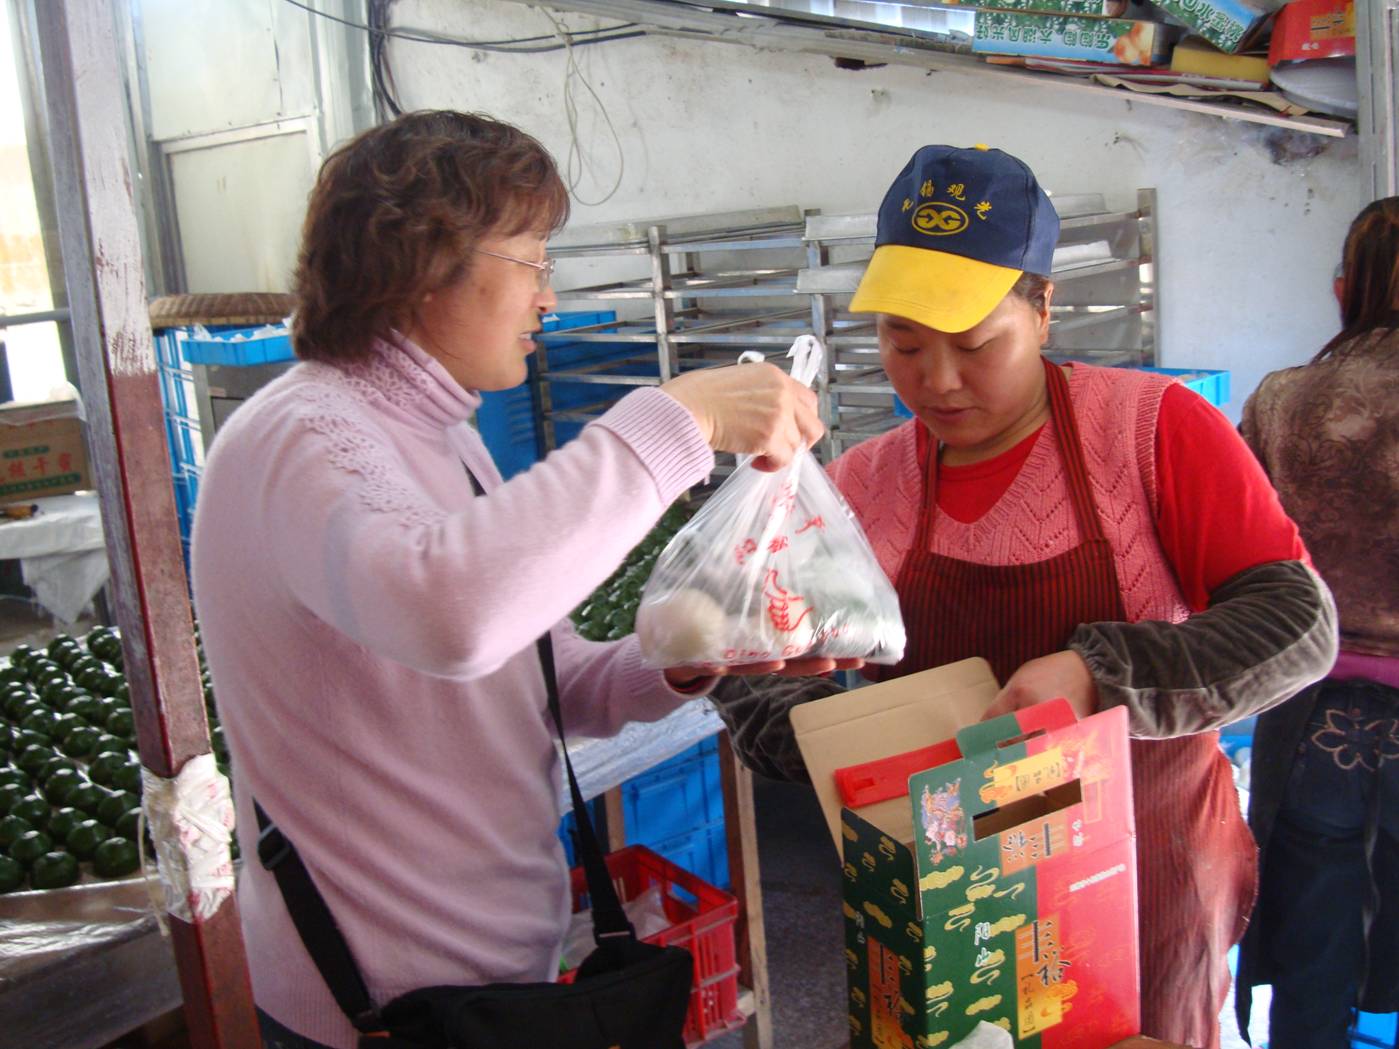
(41, 450)
(1117, 40)
(1094, 8)
(990, 874)
(1227, 24)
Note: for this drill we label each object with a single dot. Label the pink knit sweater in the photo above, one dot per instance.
(1034, 520)
(369, 625)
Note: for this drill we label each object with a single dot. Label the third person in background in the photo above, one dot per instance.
(1325, 775)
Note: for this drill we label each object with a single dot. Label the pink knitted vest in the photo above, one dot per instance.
(1034, 519)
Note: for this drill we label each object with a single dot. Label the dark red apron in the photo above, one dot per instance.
(1196, 860)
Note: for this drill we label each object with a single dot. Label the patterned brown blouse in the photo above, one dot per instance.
(1328, 435)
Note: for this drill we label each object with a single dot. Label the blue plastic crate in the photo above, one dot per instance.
(703, 851)
(182, 433)
(675, 797)
(1373, 1029)
(506, 418)
(1213, 386)
(268, 344)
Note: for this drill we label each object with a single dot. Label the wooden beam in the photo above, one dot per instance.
(616, 819)
(741, 830)
(98, 232)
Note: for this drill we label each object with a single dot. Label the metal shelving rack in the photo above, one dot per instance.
(1104, 309)
(719, 284)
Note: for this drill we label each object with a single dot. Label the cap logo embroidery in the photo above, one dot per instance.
(939, 219)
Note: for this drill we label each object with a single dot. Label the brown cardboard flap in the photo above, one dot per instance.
(881, 720)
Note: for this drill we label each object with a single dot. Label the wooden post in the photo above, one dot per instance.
(98, 231)
(741, 829)
(616, 820)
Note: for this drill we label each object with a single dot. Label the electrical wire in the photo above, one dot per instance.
(574, 164)
(518, 45)
(385, 104)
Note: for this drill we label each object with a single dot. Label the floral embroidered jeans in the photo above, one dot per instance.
(1329, 892)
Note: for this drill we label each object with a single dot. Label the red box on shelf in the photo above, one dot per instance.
(702, 921)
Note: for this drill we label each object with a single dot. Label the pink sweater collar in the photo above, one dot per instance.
(401, 373)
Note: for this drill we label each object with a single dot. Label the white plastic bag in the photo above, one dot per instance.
(774, 566)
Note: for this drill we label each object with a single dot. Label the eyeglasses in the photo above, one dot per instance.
(544, 270)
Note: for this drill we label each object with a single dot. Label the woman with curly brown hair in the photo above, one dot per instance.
(1325, 799)
(371, 592)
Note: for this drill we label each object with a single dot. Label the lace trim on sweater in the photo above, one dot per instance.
(334, 403)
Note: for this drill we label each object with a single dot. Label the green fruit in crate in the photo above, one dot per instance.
(13, 699)
(109, 744)
(60, 642)
(65, 723)
(29, 846)
(11, 827)
(129, 825)
(22, 738)
(103, 768)
(31, 705)
(33, 757)
(54, 764)
(57, 693)
(81, 742)
(128, 778)
(59, 786)
(11, 875)
(54, 870)
(123, 693)
(122, 723)
(87, 796)
(86, 706)
(62, 821)
(11, 794)
(113, 807)
(83, 839)
(32, 807)
(115, 858)
(42, 721)
(12, 676)
(9, 775)
(20, 655)
(108, 683)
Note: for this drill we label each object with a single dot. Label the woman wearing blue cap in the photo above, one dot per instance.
(1095, 533)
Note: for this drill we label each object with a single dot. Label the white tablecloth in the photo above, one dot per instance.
(61, 551)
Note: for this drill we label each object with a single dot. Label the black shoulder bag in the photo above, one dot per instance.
(627, 994)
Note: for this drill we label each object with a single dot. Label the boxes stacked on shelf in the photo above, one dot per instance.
(1077, 30)
(1227, 24)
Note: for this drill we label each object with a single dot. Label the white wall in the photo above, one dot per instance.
(1247, 246)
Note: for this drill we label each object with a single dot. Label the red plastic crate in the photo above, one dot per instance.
(702, 920)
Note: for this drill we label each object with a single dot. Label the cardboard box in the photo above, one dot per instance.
(1117, 40)
(1227, 24)
(1096, 8)
(41, 450)
(997, 880)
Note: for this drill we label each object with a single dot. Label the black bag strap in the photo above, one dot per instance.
(322, 937)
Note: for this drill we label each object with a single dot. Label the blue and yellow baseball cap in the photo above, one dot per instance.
(956, 230)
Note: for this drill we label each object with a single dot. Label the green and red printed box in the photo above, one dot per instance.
(999, 883)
